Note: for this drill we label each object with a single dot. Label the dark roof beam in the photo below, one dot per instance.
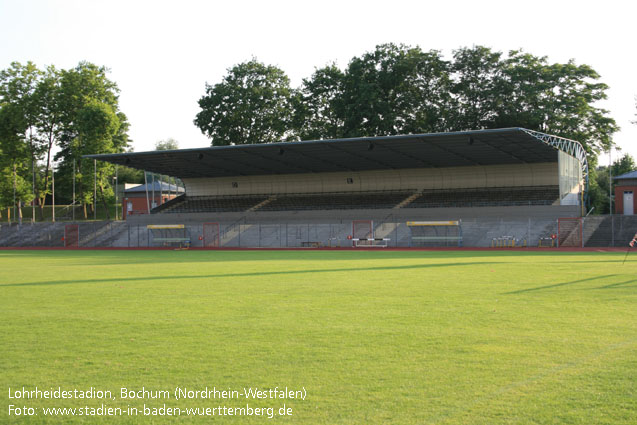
(501, 150)
(469, 160)
(243, 164)
(413, 158)
(285, 163)
(386, 166)
(225, 170)
(314, 158)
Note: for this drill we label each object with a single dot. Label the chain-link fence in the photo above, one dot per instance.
(597, 231)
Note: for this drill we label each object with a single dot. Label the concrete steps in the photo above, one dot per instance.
(408, 200)
(262, 203)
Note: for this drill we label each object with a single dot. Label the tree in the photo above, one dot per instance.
(523, 90)
(129, 175)
(18, 127)
(395, 89)
(90, 123)
(317, 105)
(14, 156)
(572, 113)
(15, 184)
(601, 189)
(75, 110)
(477, 79)
(48, 125)
(167, 145)
(251, 105)
(399, 89)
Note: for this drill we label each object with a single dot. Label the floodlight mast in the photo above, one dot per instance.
(33, 202)
(610, 180)
(53, 192)
(73, 207)
(115, 184)
(94, 189)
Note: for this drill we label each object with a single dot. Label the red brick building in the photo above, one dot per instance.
(625, 191)
(139, 199)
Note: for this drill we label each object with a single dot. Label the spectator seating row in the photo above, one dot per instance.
(502, 196)
(493, 196)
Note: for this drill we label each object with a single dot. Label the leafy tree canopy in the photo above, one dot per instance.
(167, 145)
(253, 104)
(600, 186)
(74, 110)
(399, 89)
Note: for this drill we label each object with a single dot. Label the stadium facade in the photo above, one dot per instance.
(511, 182)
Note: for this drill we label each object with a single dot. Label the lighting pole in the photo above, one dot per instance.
(115, 185)
(33, 202)
(14, 189)
(95, 189)
(610, 181)
(53, 191)
(73, 204)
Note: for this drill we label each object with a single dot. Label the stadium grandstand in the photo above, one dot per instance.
(490, 184)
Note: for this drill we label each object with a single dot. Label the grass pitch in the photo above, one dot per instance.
(373, 337)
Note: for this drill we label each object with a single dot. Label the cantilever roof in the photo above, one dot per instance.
(436, 150)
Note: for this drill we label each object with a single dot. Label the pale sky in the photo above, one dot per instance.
(162, 53)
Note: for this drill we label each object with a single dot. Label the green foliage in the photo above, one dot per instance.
(75, 110)
(623, 165)
(317, 105)
(19, 143)
(600, 191)
(523, 90)
(477, 88)
(129, 175)
(91, 123)
(167, 145)
(399, 89)
(395, 89)
(253, 104)
(14, 184)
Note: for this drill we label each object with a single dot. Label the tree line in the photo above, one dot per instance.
(399, 89)
(55, 116)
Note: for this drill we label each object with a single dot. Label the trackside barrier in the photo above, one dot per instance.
(546, 242)
(597, 231)
(508, 242)
(371, 242)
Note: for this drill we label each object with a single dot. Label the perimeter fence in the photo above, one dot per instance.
(596, 231)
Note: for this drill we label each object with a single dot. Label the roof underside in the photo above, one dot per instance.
(438, 150)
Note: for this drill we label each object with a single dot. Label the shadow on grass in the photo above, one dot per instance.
(249, 274)
(620, 285)
(89, 257)
(556, 285)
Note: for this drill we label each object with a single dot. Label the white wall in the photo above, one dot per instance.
(543, 174)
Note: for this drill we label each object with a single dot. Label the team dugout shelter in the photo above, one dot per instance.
(473, 177)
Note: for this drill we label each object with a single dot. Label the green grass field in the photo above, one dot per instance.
(373, 337)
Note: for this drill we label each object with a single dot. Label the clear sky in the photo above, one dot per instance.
(162, 53)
